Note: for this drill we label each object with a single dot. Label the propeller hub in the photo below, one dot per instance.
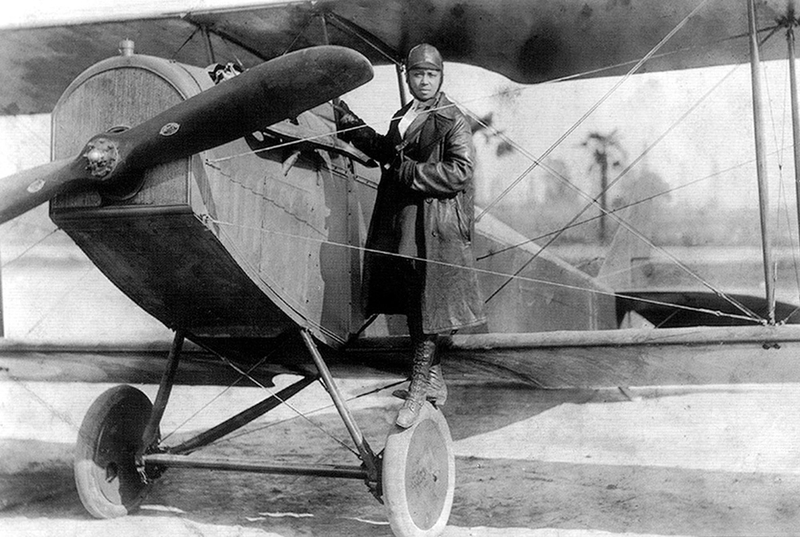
(101, 156)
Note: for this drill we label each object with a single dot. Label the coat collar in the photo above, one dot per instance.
(442, 106)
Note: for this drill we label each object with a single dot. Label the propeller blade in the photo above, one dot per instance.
(25, 190)
(271, 92)
(264, 95)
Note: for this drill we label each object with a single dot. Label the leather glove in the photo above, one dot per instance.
(345, 118)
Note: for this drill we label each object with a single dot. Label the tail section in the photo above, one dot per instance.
(627, 260)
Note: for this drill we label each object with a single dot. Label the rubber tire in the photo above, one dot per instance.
(108, 482)
(419, 476)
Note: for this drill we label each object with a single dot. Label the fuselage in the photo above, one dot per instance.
(249, 240)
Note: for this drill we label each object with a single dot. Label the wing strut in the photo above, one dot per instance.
(373, 41)
(761, 165)
(791, 22)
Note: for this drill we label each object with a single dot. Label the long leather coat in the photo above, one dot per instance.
(424, 210)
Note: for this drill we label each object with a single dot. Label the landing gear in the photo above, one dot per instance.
(106, 473)
(419, 476)
(118, 453)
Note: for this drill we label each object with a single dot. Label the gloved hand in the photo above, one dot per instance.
(345, 118)
(405, 169)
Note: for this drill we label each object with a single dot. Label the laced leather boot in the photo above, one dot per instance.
(423, 356)
(437, 389)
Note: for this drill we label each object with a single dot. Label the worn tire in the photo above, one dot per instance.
(108, 482)
(419, 476)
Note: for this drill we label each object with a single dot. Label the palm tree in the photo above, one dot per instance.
(607, 153)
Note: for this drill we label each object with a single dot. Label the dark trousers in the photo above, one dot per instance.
(412, 275)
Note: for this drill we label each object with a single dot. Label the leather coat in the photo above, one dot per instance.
(424, 211)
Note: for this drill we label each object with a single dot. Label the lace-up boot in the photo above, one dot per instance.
(420, 378)
(437, 389)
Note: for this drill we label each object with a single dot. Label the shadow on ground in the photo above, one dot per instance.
(497, 493)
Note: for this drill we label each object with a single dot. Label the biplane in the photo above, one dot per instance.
(234, 214)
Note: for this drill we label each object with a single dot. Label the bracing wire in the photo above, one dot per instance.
(537, 162)
(31, 247)
(616, 210)
(716, 291)
(792, 229)
(288, 405)
(247, 373)
(782, 206)
(773, 270)
(623, 173)
(300, 33)
(593, 202)
(186, 42)
(311, 412)
(60, 298)
(592, 109)
(223, 392)
(210, 219)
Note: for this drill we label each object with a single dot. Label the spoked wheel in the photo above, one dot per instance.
(105, 456)
(419, 476)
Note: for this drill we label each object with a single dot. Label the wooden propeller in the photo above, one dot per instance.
(273, 91)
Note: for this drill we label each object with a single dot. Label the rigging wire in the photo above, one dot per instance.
(782, 207)
(593, 108)
(289, 405)
(310, 19)
(583, 74)
(593, 201)
(60, 298)
(210, 219)
(619, 209)
(650, 55)
(773, 270)
(224, 391)
(665, 134)
(537, 162)
(311, 412)
(353, 29)
(186, 42)
(247, 373)
(31, 247)
(792, 230)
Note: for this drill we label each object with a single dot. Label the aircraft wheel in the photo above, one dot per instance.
(419, 476)
(105, 468)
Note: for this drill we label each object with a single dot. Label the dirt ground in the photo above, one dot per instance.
(529, 462)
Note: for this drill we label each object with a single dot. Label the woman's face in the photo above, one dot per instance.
(424, 83)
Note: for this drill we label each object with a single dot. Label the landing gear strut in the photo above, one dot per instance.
(118, 454)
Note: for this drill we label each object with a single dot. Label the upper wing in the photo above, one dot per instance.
(528, 41)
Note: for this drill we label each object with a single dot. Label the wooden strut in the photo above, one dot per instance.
(368, 458)
(177, 456)
(359, 33)
(258, 467)
(212, 58)
(151, 434)
(790, 38)
(761, 165)
(241, 419)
